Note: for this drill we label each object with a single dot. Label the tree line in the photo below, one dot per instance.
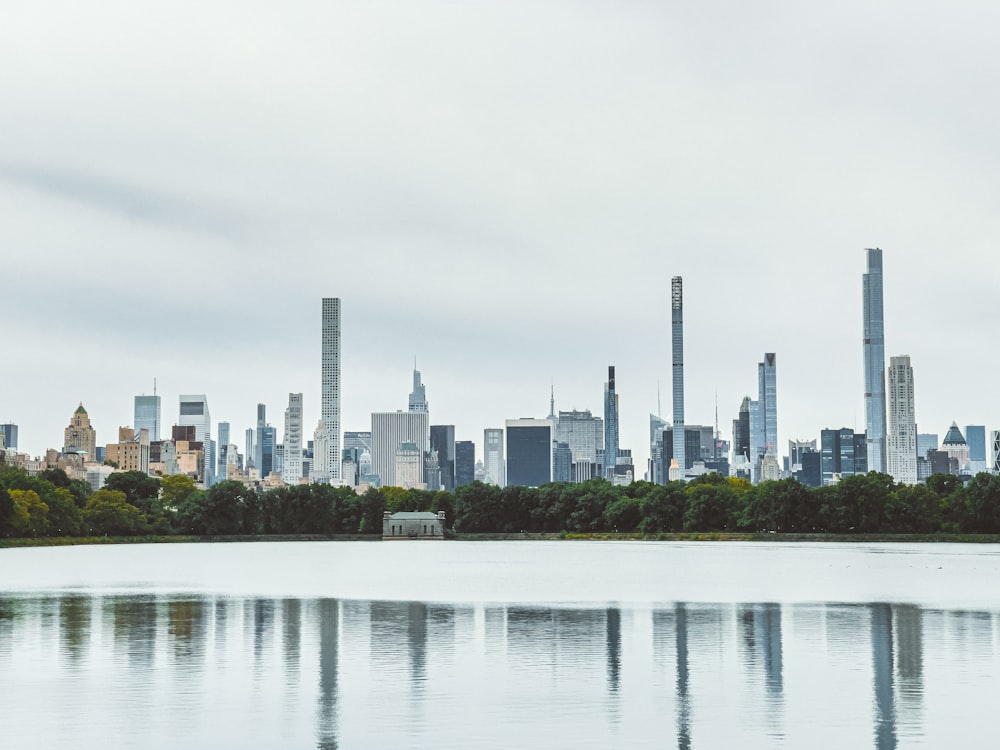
(133, 504)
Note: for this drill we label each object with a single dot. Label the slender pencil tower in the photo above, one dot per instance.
(677, 335)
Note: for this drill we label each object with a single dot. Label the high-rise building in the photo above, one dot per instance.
(842, 454)
(194, 412)
(223, 460)
(995, 451)
(901, 445)
(493, 455)
(529, 452)
(926, 441)
(975, 436)
(330, 395)
(610, 424)
(360, 440)
(677, 347)
(408, 469)
(291, 471)
(389, 431)
(80, 437)
(443, 441)
(955, 445)
(9, 431)
(131, 452)
(418, 396)
(465, 462)
(147, 415)
(874, 348)
(767, 384)
(265, 443)
(319, 472)
(584, 433)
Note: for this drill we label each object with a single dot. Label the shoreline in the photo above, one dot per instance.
(712, 536)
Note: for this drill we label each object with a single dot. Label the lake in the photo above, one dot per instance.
(500, 644)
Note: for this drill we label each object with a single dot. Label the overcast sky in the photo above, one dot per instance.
(503, 190)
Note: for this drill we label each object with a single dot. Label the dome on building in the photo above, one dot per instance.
(954, 436)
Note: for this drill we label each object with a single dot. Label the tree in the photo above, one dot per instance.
(108, 513)
(710, 507)
(6, 513)
(141, 490)
(65, 518)
(175, 489)
(662, 508)
(785, 505)
(227, 508)
(30, 513)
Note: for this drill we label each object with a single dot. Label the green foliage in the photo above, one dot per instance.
(141, 490)
(109, 513)
(174, 490)
(31, 515)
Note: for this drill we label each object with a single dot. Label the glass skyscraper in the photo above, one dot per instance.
(610, 425)
(874, 345)
(147, 416)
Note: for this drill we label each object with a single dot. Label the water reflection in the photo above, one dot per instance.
(356, 674)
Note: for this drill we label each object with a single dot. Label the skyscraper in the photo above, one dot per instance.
(610, 425)
(330, 397)
(975, 435)
(147, 416)
(443, 441)
(221, 470)
(677, 346)
(529, 452)
(768, 397)
(901, 447)
(291, 469)
(194, 412)
(874, 346)
(465, 462)
(493, 455)
(319, 471)
(995, 451)
(418, 397)
(389, 431)
(9, 431)
(80, 437)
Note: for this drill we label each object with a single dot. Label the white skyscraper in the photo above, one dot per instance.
(320, 472)
(902, 437)
(194, 412)
(291, 470)
(493, 453)
(389, 431)
(330, 404)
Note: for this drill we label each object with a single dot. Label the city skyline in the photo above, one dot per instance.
(503, 164)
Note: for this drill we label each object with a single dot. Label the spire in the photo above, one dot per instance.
(552, 400)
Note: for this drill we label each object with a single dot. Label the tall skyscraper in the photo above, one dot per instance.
(874, 346)
(841, 454)
(677, 341)
(147, 416)
(9, 431)
(465, 462)
(330, 397)
(194, 412)
(291, 470)
(493, 455)
(443, 441)
(656, 427)
(975, 435)
(901, 447)
(319, 472)
(221, 470)
(418, 396)
(768, 397)
(584, 433)
(389, 431)
(995, 451)
(529, 452)
(610, 425)
(80, 437)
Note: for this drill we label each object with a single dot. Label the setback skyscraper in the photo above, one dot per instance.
(874, 344)
(677, 346)
(768, 397)
(610, 425)
(418, 397)
(330, 399)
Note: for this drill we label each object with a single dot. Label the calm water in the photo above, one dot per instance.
(499, 645)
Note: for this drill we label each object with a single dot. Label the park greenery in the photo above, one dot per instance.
(132, 504)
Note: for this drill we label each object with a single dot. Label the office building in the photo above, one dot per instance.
(194, 412)
(843, 453)
(995, 451)
(583, 433)
(360, 440)
(443, 442)
(265, 443)
(767, 385)
(222, 462)
(418, 396)
(80, 437)
(330, 393)
(465, 462)
(408, 469)
(529, 452)
(493, 456)
(874, 350)
(146, 415)
(809, 470)
(562, 462)
(291, 471)
(975, 436)
(656, 427)
(610, 424)
(926, 441)
(319, 471)
(677, 361)
(957, 448)
(901, 443)
(9, 431)
(389, 431)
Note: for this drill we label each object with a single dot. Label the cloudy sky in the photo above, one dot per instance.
(502, 190)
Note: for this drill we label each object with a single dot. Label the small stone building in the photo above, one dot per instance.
(413, 525)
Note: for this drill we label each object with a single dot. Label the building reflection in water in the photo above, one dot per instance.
(75, 626)
(760, 629)
(328, 616)
(882, 682)
(683, 678)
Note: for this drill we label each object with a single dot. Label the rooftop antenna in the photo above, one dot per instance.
(154, 386)
(552, 399)
(659, 409)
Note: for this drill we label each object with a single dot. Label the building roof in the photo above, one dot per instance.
(414, 516)
(954, 436)
(80, 409)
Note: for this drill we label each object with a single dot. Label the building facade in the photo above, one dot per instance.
(529, 452)
(194, 413)
(291, 471)
(610, 424)
(465, 462)
(874, 351)
(901, 445)
(443, 441)
(147, 415)
(389, 431)
(330, 385)
(131, 452)
(677, 362)
(493, 456)
(80, 436)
